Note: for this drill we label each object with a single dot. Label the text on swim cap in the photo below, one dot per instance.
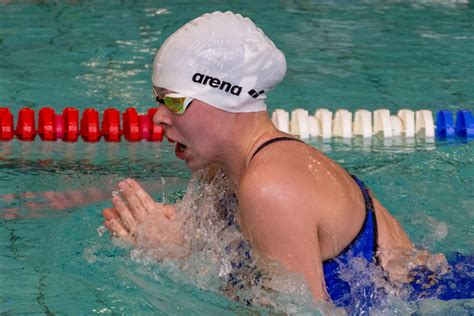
(217, 83)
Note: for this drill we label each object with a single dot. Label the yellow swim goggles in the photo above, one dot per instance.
(175, 102)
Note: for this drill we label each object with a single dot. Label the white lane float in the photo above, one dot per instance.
(299, 123)
(281, 120)
(382, 123)
(324, 117)
(396, 125)
(406, 123)
(407, 118)
(424, 124)
(314, 127)
(342, 124)
(362, 124)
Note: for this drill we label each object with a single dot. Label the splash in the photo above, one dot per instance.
(217, 258)
(101, 230)
(419, 276)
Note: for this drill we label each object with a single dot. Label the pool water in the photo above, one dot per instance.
(54, 258)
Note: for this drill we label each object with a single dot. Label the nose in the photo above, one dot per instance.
(162, 116)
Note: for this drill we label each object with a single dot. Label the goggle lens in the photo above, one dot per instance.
(175, 102)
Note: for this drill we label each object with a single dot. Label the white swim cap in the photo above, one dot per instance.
(222, 59)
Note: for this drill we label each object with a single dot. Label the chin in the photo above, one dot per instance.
(192, 165)
(196, 165)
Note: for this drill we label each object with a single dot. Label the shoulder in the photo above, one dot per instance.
(280, 171)
(272, 195)
(280, 159)
(271, 209)
(266, 181)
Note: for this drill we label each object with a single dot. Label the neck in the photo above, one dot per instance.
(248, 131)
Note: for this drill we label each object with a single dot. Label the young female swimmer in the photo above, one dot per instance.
(295, 205)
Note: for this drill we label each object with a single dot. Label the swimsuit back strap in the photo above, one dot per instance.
(274, 140)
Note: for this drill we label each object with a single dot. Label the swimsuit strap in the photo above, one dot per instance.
(367, 198)
(369, 207)
(274, 140)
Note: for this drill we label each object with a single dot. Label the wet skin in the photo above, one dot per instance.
(296, 206)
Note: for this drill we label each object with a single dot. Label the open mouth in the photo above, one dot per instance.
(179, 150)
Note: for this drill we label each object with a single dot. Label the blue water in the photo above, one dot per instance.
(374, 54)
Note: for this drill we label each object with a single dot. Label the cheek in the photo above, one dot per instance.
(197, 132)
(203, 132)
(205, 143)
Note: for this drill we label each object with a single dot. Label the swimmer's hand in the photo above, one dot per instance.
(136, 218)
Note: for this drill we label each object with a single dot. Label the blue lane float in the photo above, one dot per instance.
(464, 124)
(445, 124)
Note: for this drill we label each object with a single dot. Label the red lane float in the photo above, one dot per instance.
(25, 128)
(46, 126)
(144, 126)
(67, 126)
(156, 131)
(59, 126)
(6, 124)
(90, 131)
(71, 124)
(111, 125)
(131, 125)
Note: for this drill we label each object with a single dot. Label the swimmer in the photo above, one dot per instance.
(296, 206)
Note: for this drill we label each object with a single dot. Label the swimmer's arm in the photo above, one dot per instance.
(391, 233)
(279, 232)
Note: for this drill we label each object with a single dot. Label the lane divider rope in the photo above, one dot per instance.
(133, 126)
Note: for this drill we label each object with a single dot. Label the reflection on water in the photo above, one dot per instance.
(40, 178)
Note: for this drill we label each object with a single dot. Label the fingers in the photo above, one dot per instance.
(112, 222)
(125, 214)
(143, 196)
(130, 208)
(140, 202)
(116, 229)
(110, 213)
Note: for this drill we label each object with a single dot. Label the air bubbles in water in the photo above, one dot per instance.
(101, 230)
(441, 231)
(90, 254)
(163, 198)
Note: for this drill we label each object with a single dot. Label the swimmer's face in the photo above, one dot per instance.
(197, 131)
